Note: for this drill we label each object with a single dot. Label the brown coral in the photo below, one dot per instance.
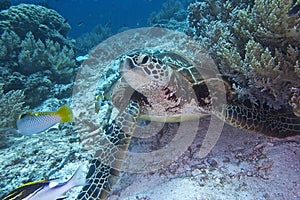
(255, 44)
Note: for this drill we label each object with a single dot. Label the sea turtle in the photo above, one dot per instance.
(160, 85)
(170, 88)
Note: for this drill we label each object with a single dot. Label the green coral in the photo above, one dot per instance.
(274, 24)
(255, 45)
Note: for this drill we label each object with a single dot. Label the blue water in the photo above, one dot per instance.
(84, 15)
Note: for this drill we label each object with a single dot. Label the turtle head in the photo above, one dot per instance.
(142, 70)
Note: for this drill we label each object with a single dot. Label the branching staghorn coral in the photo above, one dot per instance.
(36, 56)
(34, 37)
(255, 45)
(275, 24)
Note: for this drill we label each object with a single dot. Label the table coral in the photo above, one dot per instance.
(255, 45)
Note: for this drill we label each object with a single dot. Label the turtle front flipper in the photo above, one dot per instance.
(107, 162)
(265, 121)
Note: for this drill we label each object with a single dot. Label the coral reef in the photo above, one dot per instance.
(255, 45)
(86, 42)
(53, 154)
(172, 16)
(4, 4)
(49, 55)
(295, 101)
(11, 105)
(35, 53)
(44, 23)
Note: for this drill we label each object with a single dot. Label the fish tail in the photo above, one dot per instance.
(78, 178)
(65, 113)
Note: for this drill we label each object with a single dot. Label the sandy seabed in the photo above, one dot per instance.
(242, 165)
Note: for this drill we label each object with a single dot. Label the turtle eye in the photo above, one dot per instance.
(145, 60)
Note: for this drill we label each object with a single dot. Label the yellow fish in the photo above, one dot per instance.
(31, 123)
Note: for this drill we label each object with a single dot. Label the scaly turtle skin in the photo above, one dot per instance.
(164, 86)
(104, 168)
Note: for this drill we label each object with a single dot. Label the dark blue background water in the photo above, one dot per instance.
(84, 15)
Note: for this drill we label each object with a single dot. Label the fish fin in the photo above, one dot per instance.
(34, 183)
(26, 189)
(78, 178)
(65, 113)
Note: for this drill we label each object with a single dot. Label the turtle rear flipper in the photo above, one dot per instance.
(107, 162)
(264, 121)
